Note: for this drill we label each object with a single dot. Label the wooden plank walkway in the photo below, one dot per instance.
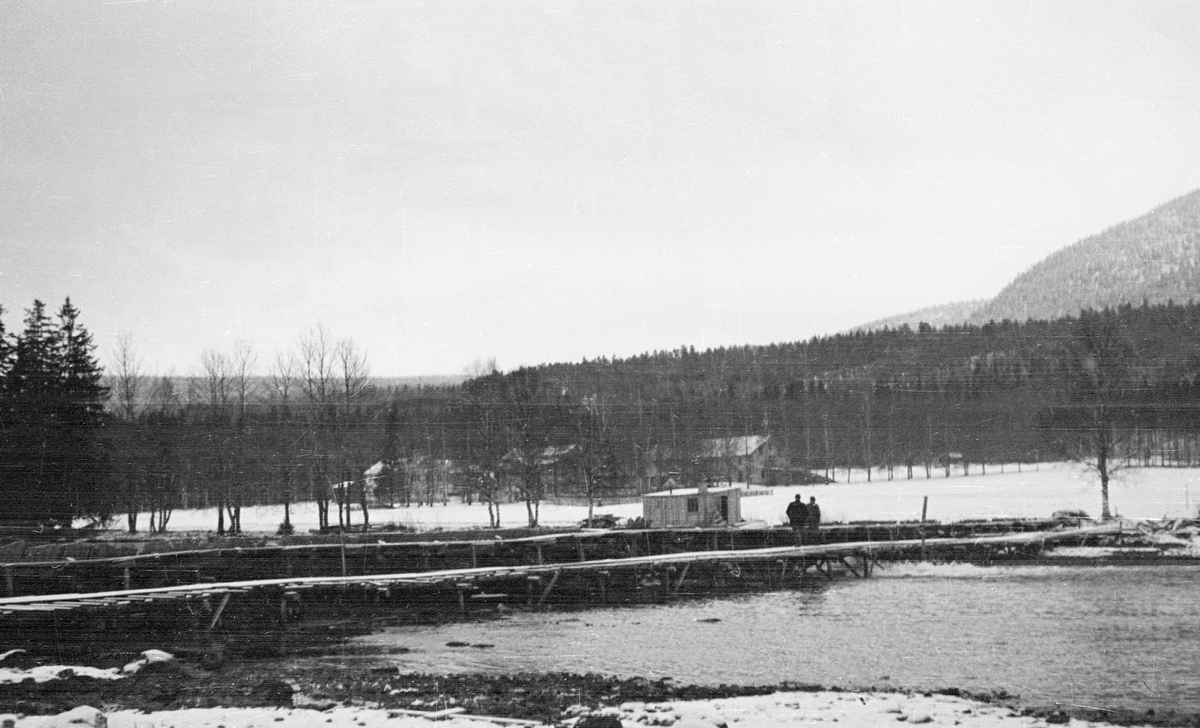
(459, 578)
(349, 547)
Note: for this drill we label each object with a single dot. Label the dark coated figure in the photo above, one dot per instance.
(812, 521)
(797, 515)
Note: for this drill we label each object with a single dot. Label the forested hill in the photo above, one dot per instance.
(1164, 339)
(943, 314)
(1154, 258)
(896, 395)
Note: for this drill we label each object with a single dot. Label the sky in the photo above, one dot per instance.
(449, 181)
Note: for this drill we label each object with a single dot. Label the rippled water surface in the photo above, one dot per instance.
(1098, 636)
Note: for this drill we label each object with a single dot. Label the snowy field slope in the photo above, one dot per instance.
(1035, 491)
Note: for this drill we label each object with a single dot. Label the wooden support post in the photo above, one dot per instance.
(8, 581)
(546, 591)
(847, 564)
(579, 545)
(220, 610)
(682, 576)
(539, 554)
(462, 602)
(128, 579)
(474, 558)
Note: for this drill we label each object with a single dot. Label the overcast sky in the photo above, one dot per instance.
(547, 181)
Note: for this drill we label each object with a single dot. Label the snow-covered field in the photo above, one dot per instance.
(1035, 491)
(852, 710)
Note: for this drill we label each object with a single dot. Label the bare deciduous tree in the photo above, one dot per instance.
(315, 362)
(283, 378)
(127, 376)
(352, 368)
(594, 430)
(480, 368)
(164, 398)
(215, 371)
(1099, 371)
(242, 363)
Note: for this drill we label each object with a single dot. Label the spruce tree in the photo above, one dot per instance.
(82, 394)
(52, 422)
(6, 352)
(33, 426)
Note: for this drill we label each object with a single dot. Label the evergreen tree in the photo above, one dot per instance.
(52, 423)
(6, 352)
(84, 457)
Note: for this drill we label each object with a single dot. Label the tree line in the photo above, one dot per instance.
(310, 423)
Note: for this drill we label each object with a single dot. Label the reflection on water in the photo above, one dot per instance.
(1098, 636)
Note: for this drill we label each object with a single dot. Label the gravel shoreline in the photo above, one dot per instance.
(333, 689)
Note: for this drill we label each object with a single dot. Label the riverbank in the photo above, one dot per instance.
(171, 694)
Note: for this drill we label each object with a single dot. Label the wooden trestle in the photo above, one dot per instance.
(535, 583)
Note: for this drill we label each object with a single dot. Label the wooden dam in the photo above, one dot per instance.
(246, 592)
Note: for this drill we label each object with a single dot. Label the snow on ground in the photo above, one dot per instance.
(43, 673)
(1036, 491)
(852, 710)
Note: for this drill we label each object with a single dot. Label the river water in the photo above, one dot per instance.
(1100, 636)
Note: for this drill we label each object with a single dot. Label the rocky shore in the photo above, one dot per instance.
(177, 693)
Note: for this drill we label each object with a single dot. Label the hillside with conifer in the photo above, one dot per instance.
(1152, 259)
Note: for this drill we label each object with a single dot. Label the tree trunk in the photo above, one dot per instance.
(1102, 468)
(362, 499)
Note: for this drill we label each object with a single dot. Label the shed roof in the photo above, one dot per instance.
(687, 491)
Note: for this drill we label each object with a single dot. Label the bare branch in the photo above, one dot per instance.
(316, 366)
(127, 371)
(243, 362)
(214, 368)
(283, 375)
(353, 368)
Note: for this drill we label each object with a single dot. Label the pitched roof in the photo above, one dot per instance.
(725, 447)
(551, 455)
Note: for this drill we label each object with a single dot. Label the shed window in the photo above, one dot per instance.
(693, 505)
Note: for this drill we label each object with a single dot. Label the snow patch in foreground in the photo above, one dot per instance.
(44, 673)
(767, 711)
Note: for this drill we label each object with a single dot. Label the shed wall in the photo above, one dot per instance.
(665, 511)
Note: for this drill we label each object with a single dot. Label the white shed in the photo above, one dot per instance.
(701, 506)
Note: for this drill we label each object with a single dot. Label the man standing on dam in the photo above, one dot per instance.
(812, 521)
(797, 515)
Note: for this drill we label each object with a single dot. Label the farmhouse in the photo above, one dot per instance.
(558, 466)
(747, 459)
(753, 459)
(702, 506)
